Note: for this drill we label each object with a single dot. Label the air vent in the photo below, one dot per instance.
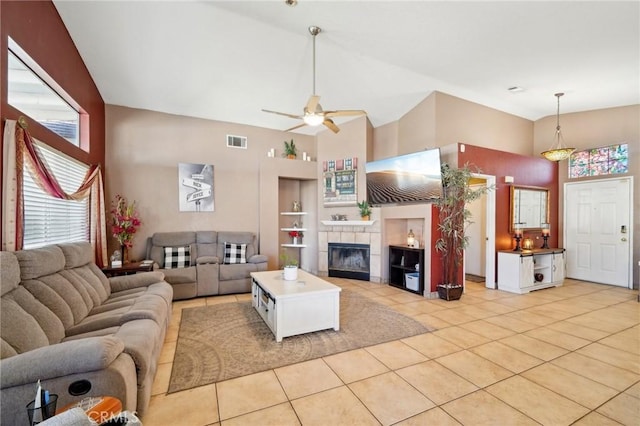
(236, 141)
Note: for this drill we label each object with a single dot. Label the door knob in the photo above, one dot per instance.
(623, 239)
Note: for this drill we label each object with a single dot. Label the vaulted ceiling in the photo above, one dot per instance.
(227, 60)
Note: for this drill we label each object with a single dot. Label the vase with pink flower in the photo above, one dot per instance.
(125, 222)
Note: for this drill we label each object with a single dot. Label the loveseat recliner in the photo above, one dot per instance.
(217, 263)
(63, 322)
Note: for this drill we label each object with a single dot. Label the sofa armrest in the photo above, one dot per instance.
(258, 258)
(141, 279)
(62, 359)
(207, 259)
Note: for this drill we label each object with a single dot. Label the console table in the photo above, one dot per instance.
(127, 269)
(528, 270)
(295, 307)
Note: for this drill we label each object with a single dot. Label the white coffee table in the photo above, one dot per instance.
(295, 307)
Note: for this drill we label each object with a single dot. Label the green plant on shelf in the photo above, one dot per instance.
(290, 149)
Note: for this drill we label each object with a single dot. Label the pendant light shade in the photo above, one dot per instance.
(558, 151)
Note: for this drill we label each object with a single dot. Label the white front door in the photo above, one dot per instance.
(598, 232)
(474, 254)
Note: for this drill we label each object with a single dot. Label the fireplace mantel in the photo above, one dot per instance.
(348, 222)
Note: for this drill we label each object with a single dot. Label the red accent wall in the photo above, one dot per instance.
(38, 29)
(527, 171)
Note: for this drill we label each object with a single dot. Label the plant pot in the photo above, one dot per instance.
(291, 156)
(365, 217)
(290, 273)
(450, 291)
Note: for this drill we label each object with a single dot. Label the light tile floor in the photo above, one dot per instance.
(560, 356)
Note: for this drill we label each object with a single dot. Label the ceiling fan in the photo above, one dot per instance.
(313, 114)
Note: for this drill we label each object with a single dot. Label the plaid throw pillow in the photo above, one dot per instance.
(177, 257)
(235, 253)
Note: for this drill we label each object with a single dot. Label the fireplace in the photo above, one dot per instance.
(347, 260)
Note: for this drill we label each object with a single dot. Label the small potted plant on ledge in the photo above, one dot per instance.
(454, 218)
(290, 150)
(365, 209)
(290, 266)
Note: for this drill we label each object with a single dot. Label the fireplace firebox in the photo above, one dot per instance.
(347, 260)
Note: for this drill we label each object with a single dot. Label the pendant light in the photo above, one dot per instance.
(558, 151)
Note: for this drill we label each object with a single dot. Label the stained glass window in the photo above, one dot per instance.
(606, 160)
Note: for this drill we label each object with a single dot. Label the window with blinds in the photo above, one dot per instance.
(49, 220)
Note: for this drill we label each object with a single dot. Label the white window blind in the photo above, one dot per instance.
(49, 220)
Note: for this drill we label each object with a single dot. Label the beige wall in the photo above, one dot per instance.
(592, 129)
(441, 120)
(144, 148)
(417, 128)
(458, 120)
(385, 141)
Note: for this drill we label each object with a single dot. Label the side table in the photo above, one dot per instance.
(127, 269)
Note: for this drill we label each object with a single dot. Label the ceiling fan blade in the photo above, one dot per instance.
(344, 112)
(296, 127)
(312, 104)
(283, 113)
(331, 125)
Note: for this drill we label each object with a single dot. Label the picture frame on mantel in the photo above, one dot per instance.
(195, 187)
(340, 182)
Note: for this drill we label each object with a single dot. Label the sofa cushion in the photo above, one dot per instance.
(77, 254)
(236, 272)
(39, 262)
(19, 330)
(207, 243)
(235, 253)
(61, 297)
(180, 276)
(9, 272)
(177, 257)
(48, 321)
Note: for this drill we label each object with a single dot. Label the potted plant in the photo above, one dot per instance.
(290, 150)
(454, 218)
(365, 209)
(290, 266)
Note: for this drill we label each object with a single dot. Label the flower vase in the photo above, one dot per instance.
(295, 240)
(124, 254)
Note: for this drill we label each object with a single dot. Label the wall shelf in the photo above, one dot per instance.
(294, 245)
(293, 213)
(348, 222)
(294, 229)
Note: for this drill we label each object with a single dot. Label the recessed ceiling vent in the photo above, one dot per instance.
(236, 141)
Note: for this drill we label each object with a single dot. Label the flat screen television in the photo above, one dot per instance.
(405, 179)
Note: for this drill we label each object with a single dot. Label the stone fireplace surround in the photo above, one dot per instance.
(348, 233)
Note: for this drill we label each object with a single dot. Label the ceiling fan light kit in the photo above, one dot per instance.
(558, 151)
(313, 114)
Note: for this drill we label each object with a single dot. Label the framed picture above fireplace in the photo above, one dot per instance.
(340, 181)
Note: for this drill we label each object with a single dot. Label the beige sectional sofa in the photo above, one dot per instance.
(208, 272)
(78, 332)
